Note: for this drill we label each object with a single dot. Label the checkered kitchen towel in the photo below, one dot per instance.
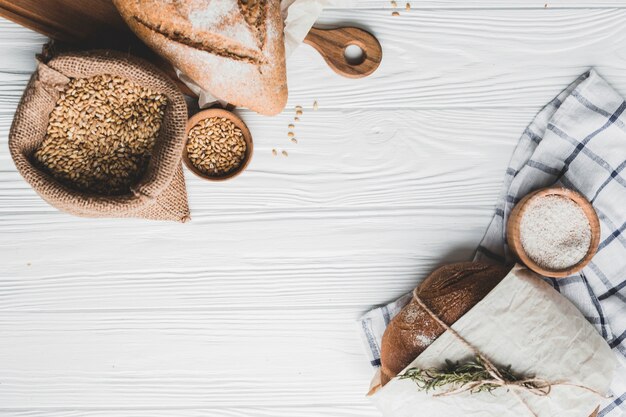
(578, 141)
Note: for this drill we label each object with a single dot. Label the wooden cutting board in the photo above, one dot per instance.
(67, 20)
(83, 24)
(97, 24)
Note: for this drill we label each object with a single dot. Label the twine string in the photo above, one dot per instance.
(535, 386)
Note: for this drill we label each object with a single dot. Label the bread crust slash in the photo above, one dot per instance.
(233, 49)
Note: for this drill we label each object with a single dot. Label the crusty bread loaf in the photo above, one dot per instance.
(449, 292)
(232, 48)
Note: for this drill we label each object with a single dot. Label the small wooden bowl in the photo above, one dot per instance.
(247, 137)
(513, 235)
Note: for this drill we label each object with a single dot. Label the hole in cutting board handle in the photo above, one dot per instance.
(354, 54)
(337, 47)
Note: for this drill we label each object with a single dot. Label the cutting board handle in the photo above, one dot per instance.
(332, 43)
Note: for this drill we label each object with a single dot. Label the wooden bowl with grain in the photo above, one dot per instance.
(247, 138)
(514, 234)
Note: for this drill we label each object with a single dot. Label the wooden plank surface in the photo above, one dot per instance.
(249, 309)
(477, 4)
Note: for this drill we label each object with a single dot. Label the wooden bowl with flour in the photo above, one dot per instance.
(554, 231)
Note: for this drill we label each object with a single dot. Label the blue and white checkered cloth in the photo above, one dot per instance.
(578, 141)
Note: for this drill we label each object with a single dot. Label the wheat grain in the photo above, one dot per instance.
(216, 146)
(101, 133)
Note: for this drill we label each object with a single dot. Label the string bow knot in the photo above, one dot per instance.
(531, 385)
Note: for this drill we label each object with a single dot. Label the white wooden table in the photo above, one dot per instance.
(249, 309)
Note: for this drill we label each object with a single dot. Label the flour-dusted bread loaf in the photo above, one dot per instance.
(232, 48)
(449, 292)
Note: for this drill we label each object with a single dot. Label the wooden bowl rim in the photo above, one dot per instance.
(514, 238)
(247, 136)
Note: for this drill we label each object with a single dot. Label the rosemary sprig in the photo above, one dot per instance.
(457, 375)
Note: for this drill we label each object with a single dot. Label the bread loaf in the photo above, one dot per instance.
(232, 48)
(449, 292)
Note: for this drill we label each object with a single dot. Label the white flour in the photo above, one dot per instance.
(422, 340)
(555, 232)
(215, 16)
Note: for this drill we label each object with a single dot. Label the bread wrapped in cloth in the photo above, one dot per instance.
(522, 323)
(449, 292)
(232, 48)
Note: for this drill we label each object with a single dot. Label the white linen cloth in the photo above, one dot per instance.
(578, 141)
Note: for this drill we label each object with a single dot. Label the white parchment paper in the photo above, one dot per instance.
(525, 323)
(299, 17)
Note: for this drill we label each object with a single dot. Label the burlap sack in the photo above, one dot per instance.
(159, 195)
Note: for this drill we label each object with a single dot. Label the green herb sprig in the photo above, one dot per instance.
(456, 375)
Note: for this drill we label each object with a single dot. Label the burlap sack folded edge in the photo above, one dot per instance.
(159, 195)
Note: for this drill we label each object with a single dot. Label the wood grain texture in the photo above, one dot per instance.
(476, 4)
(324, 410)
(97, 24)
(65, 20)
(469, 58)
(249, 309)
(83, 24)
(331, 44)
(182, 358)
